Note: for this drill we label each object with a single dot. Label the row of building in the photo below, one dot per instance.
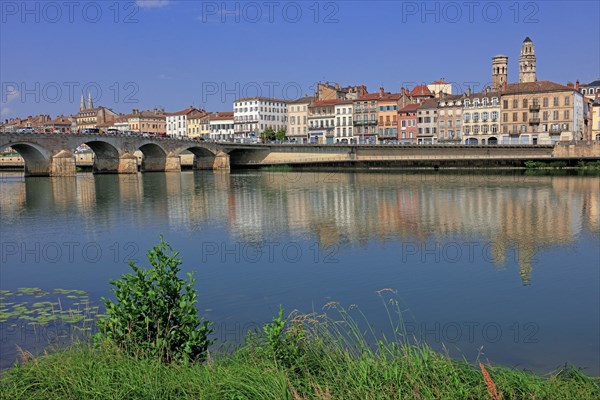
(526, 112)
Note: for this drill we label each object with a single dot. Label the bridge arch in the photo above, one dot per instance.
(106, 156)
(37, 158)
(204, 158)
(154, 157)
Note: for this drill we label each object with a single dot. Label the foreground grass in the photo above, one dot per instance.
(321, 372)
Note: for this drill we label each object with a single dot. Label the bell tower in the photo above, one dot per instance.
(499, 71)
(527, 62)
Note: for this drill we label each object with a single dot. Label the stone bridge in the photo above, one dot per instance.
(53, 154)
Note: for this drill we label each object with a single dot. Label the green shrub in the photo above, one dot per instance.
(281, 343)
(155, 311)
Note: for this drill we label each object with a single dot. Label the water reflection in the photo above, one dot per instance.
(513, 214)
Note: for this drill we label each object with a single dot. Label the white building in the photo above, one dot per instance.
(253, 115)
(177, 122)
(343, 122)
(221, 126)
(440, 88)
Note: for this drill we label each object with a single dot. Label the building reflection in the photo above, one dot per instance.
(516, 216)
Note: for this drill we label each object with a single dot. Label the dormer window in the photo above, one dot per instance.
(467, 103)
(494, 101)
(485, 102)
(476, 103)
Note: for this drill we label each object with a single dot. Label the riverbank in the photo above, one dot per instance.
(323, 371)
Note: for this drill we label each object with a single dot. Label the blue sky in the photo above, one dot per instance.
(173, 54)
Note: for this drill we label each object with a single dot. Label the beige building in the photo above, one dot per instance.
(89, 117)
(321, 121)
(541, 112)
(450, 119)
(325, 91)
(151, 121)
(297, 121)
(596, 120)
(427, 122)
(481, 118)
(365, 117)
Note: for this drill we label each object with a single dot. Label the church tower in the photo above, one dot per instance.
(90, 104)
(499, 71)
(527, 62)
(82, 103)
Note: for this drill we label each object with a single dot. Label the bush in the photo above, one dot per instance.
(155, 311)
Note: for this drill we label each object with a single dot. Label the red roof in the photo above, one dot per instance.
(421, 90)
(221, 116)
(409, 108)
(439, 82)
(182, 112)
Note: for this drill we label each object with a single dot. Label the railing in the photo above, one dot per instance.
(534, 107)
(534, 121)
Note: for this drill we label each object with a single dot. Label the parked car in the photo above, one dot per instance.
(27, 129)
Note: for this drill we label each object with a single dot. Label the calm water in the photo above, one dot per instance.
(501, 267)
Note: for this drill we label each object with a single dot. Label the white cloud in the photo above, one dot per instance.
(152, 3)
(10, 95)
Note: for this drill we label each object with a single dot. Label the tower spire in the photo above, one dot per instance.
(82, 103)
(90, 104)
(527, 64)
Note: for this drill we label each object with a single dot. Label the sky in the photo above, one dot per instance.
(171, 54)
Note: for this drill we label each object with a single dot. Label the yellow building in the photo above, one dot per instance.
(194, 123)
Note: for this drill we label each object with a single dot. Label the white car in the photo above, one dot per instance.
(26, 130)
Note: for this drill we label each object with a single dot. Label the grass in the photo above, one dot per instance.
(314, 357)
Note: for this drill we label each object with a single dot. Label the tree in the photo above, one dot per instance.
(155, 311)
(268, 134)
(280, 135)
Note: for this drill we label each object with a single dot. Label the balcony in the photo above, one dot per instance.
(534, 121)
(534, 107)
(555, 130)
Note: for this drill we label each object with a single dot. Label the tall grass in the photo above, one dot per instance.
(329, 355)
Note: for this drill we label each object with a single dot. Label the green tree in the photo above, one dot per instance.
(155, 311)
(268, 134)
(280, 135)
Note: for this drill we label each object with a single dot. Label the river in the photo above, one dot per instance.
(504, 268)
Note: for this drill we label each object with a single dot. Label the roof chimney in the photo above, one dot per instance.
(570, 85)
(381, 92)
(577, 85)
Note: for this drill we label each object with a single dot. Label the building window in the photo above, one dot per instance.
(567, 101)
(515, 103)
(505, 104)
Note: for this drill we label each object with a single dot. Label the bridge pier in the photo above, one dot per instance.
(172, 164)
(219, 162)
(62, 164)
(127, 164)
